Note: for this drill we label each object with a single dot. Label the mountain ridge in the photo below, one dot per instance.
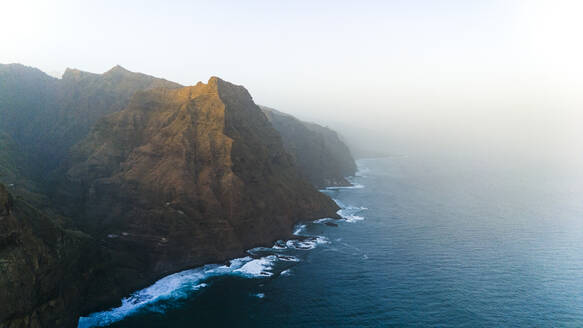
(321, 154)
(159, 178)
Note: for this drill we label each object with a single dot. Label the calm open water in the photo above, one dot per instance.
(425, 242)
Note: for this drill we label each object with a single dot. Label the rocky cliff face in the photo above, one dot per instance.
(188, 176)
(171, 179)
(319, 152)
(43, 267)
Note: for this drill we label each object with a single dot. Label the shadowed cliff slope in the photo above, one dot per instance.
(44, 268)
(319, 152)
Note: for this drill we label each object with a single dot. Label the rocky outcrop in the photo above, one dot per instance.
(320, 153)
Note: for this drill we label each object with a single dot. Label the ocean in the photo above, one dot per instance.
(434, 242)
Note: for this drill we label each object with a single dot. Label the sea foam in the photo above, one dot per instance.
(307, 243)
(323, 220)
(348, 213)
(353, 186)
(258, 268)
(299, 229)
(179, 286)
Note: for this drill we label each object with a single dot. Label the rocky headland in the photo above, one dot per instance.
(111, 181)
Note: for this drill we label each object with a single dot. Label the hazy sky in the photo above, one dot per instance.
(494, 73)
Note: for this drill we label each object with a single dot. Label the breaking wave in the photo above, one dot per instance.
(179, 286)
(349, 213)
(353, 186)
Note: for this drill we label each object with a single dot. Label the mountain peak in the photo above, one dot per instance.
(73, 73)
(228, 89)
(214, 79)
(117, 69)
(214, 82)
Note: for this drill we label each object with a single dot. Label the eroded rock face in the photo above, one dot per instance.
(319, 152)
(185, 177)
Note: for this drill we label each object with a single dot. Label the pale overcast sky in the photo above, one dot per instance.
(506, 72)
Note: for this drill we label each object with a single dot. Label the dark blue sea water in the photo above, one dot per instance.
(426, 242)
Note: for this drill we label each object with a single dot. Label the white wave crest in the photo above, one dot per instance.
(299, 229)
(288, 258)
(279, 245)
(323, 220)
(307, 244)
(286, 273)
(353, 218)
(179, 286)
(258, 268)
(353, 186)
(348, 213)
(175, 286)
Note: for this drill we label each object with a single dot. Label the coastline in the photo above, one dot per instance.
(256, 262)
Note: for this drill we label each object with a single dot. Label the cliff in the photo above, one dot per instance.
(167, 179)
(322, 156)
(160, 178)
